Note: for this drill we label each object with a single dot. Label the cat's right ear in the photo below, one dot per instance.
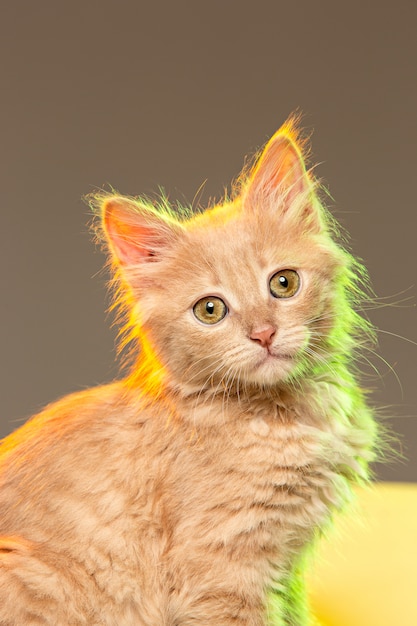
(281, 181)
(280, 169)
(135, 233)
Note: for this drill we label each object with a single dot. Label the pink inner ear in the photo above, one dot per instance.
(290, 170)
(280, 166)
(130, 235)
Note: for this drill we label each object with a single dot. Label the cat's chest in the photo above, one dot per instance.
(261, 470)
(264, 436)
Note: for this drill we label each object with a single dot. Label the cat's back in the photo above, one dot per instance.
(68, 456)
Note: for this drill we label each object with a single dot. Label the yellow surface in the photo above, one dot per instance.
(366, 571)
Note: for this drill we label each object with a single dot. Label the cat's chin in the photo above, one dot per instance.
(271, 369)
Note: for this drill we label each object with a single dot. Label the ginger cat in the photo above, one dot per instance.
(189, 492)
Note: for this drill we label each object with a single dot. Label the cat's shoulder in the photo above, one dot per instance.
(83, 413)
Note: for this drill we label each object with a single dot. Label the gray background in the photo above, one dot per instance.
(142, 94)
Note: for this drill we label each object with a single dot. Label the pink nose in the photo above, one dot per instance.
(263, 335)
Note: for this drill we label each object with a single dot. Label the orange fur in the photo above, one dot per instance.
(188, 492)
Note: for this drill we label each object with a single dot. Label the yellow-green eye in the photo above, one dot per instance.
(210, 310)
(284, 284)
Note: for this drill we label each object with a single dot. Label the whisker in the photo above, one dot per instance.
(386, 363)
(388, 332)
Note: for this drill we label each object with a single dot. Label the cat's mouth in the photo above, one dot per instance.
(280, 356)
(273, 355)
(277, 355)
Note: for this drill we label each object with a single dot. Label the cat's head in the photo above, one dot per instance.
(251, 292)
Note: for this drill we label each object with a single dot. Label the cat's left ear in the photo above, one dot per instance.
(280, 179)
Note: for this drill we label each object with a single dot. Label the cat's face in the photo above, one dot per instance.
(240, 295)
(238, 302)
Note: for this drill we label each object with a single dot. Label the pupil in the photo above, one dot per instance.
(283, 281)
(210, 308)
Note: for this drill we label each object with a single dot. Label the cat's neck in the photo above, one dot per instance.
(302, 396)
(155, 378)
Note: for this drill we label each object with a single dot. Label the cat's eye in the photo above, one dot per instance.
(210, 310)
(284, 284)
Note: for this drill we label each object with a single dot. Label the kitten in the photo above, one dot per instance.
(189, 492)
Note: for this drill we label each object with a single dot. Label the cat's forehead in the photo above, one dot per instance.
(236, 257)
(234, 242)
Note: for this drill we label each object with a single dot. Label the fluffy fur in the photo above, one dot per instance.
(189, 492)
